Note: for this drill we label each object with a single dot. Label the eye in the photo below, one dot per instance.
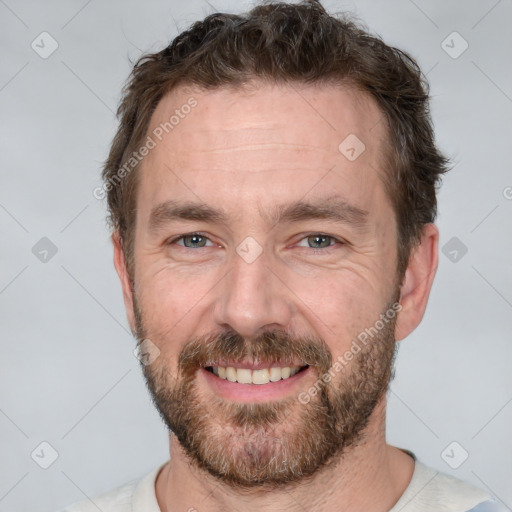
(192, 240)
(316, 241)
(320, 241)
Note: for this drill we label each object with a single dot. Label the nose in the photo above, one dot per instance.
(253, 297)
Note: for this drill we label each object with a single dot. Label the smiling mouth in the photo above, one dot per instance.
(259, 376)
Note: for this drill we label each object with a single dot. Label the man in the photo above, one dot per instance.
(271, 190)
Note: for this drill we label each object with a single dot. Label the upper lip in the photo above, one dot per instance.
(252, 365)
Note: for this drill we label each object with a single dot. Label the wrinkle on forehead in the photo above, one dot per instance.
(226, 117)
(264, 146)
(272, 129)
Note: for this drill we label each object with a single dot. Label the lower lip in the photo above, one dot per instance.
(255, 392)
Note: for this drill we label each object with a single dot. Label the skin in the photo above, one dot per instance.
(244, 151)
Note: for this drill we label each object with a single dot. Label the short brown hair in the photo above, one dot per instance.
(289, 43)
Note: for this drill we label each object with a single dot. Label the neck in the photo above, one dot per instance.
(370, 476)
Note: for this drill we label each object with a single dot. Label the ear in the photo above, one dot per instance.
(122, 272)
(417, 282)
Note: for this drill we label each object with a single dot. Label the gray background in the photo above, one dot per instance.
(68, 374)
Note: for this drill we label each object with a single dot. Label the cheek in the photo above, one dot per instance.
(341, 305)
(167, 305)
(168, 293)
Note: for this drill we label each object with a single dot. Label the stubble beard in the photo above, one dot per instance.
(271, 444)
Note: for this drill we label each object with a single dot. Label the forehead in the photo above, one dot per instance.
(280, 139)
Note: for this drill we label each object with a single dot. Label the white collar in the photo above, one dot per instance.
(429, 490)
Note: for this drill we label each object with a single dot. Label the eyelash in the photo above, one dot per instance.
(327, 249)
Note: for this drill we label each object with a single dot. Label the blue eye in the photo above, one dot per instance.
(192, 240)
(318, 241)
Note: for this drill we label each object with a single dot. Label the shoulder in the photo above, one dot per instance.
(431, 490)
(116, 500)
(128, 497)
(490, 506)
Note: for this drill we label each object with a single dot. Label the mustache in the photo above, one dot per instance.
(269, 347)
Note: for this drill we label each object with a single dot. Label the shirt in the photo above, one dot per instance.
(429, 490)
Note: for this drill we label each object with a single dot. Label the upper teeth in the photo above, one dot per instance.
(248, 376)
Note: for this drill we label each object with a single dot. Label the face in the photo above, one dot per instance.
(265, 248)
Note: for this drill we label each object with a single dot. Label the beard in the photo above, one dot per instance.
(275, 443)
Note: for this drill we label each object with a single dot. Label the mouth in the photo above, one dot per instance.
(249, 383)
(256, 376)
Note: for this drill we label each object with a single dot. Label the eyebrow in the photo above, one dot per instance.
(334, 209)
